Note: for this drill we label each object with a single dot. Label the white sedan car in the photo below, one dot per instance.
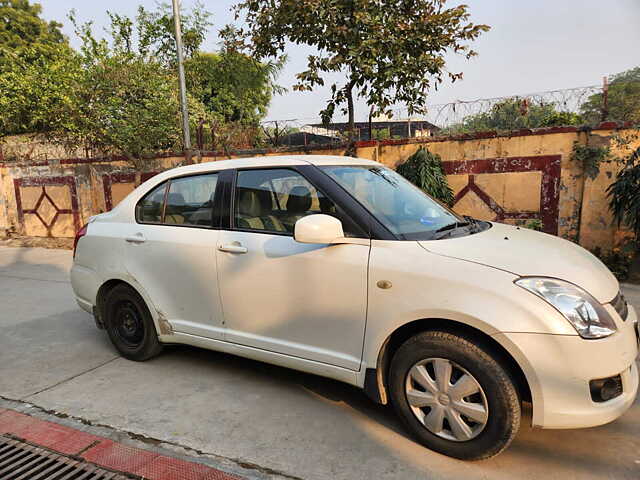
(339, 267)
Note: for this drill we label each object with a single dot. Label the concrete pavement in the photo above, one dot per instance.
(267, 419)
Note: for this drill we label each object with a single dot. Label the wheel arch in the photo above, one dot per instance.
(161, 324)
(376, 380)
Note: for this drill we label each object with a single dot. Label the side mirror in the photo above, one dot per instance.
(318, 228)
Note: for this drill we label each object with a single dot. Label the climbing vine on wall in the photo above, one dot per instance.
(590, 157)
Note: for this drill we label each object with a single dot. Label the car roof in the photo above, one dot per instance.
(268, 161)
(248, 162)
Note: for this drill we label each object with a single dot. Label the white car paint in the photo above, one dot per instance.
(318, 308)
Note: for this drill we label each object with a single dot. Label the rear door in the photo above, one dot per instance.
(170, 251)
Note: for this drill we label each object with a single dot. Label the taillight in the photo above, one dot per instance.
(81, 233)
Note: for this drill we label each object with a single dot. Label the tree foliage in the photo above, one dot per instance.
(119, 95)
(36, 68)
(390, 51)
(124, 101)
(623, 100)
(22, 28)
(514, 114)
(124, 105)
(36, 87)
(150, 34)
(624, 193)
(232, 85)
(424, 169)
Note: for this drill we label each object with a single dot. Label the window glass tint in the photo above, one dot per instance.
(274, 200)
(149, 209)
(190, 200)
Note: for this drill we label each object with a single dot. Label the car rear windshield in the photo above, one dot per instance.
(400, 206)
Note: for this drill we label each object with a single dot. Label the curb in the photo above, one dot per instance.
(103, 451)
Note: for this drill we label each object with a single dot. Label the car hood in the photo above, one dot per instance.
(525, 252)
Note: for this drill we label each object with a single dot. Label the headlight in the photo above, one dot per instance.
(583, 311)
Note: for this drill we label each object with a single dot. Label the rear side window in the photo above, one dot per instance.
(149, 209)
(190, 200)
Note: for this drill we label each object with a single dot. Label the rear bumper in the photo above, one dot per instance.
(560, 367)
(85, 284)
(84, 305)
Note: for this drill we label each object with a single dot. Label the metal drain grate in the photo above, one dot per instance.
(21, 461)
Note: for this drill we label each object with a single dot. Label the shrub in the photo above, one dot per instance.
(424, 169)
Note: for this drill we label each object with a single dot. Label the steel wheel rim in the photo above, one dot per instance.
(128, 324)
(446, 399)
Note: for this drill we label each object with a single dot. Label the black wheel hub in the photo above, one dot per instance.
(128, 324)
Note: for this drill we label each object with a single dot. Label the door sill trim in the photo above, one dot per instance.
(283, 360)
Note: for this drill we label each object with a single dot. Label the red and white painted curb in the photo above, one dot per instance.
(103, 451)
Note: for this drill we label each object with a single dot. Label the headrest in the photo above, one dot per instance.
(299, 200)
(252, 202)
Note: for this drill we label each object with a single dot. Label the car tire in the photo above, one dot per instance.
(130, 325)
(475, 426)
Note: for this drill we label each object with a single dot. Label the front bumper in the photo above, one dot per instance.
(558, 369)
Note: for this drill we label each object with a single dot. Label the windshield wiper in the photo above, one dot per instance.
(448, 229)
(451, 226)
(475, 225)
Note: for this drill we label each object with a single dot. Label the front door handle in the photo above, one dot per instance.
(137, 238)
(235, 247)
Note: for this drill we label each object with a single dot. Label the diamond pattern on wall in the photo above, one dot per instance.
(54, 206)
(46, 209)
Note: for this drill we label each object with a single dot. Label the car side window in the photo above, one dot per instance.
(273, 200)
(190, 200)
(149, 209)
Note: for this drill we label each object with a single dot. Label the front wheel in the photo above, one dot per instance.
(454, 395)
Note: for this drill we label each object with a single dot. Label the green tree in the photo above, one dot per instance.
(21, 27)
(119, 95)
(513, 114)
(623, 100)
(36, 85)
(391, 51)
(126, 106)
(232, 85)
(150, 34)
(624, 192)
(424, 170)
(122, 102)
(36, 64)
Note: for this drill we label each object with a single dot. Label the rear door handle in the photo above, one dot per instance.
(137, 238)
(235, 247)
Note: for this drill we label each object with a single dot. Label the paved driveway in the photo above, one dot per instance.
(279, 420)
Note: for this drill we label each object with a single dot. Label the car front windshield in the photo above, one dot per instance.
(399, 205)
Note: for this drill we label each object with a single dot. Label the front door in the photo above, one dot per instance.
(308, 301)
(170, 251)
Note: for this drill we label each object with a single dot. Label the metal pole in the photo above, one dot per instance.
(605, 99)
(183, 87)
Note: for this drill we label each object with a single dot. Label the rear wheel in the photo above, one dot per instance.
(454, 395)
(129, 324)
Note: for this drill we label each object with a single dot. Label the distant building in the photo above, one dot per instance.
(383, 128)
(304, 137)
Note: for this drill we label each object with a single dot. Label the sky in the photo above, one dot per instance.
(531, 47)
